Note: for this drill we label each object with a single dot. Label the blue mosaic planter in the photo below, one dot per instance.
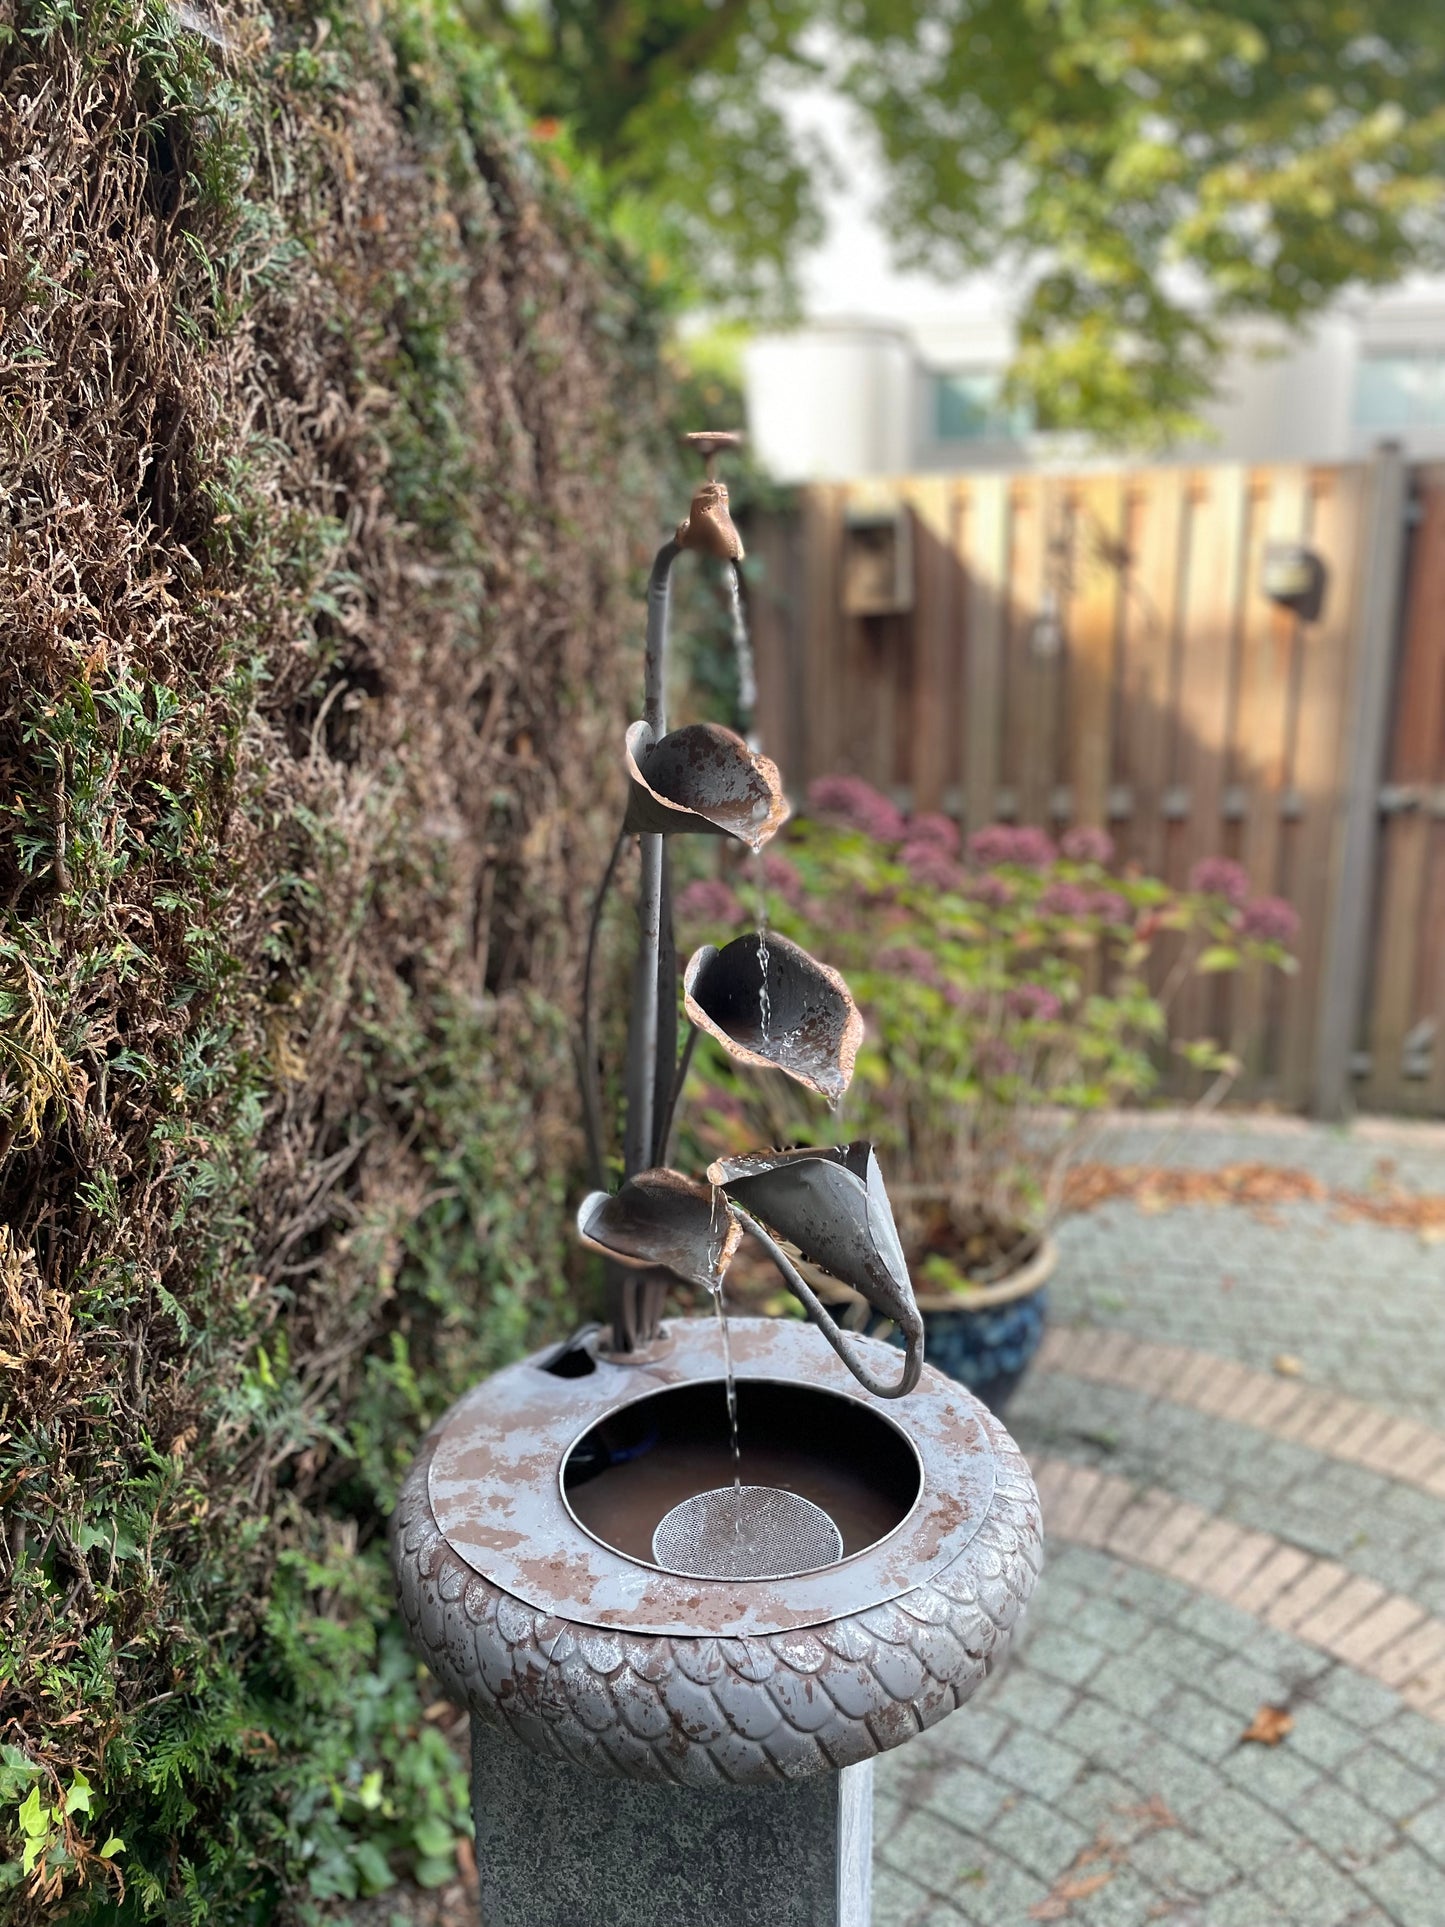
(989, 1347)
(987, 1350)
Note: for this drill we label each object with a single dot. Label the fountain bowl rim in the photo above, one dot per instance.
(491, 1466)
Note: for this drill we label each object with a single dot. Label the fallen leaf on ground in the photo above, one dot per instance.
(1257, 1187)
(1154, 1810)
(1269, 1726)
(1288, 1366)
(1057, 1904)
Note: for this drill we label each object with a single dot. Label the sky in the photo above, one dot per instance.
(852, 275)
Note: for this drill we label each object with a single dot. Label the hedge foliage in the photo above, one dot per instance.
(327, 429)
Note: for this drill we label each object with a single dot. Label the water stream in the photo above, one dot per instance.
(742, 652)
(732, 1390)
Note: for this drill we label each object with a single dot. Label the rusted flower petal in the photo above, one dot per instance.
(662, 1218)
(702, 779)
(831, 1205)
(802, 1020)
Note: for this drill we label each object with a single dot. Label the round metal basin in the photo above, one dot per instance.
(522, 1545)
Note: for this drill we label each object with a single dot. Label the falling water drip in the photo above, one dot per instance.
(732, 1390)
(765, 1002)
(742, 651)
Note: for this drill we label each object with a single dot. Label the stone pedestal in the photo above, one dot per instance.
(558, 1846)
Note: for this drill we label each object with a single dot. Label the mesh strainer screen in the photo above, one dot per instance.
(746, 1532)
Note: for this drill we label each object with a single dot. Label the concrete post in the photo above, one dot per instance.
(558, 1846)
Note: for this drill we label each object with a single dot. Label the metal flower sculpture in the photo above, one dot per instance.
(766, 1001)
(831, 1207)
(770, 1004)
(661, 1218)
(703, 779)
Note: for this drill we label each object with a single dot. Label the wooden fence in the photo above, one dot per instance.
(1101, 649)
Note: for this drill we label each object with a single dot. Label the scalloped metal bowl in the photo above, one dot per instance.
(589, 1653)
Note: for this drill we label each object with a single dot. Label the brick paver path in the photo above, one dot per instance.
(1221, 1538)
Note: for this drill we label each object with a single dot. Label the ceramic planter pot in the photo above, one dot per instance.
(987, 1340)
(522, 1547)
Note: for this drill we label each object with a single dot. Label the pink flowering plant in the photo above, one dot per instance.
(1015, 987)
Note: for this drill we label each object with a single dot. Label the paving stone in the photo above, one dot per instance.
(1419, 1741)
(1383, 1783)
(1242, 1907)
(1311, 1889)
(1104, 1734)
(1203, 1727)
(1426, 1830)
(1132, 1686)
(1178, 1655)
(1064, 1657)
(1175, 1861)
(1340, 1826)
(1004, 1893)
(1038, 1765)
(1361, 1701)
(1321, 1737)
(965, 1796)
(1127, 1898)
(1041, 1839)
(1408, 1886)
(932, 1853)
(1212, 1620)
(1107, 1623)
(898, 1902)
(1038, 1702)
(1247, 1833)
(1272, 1774)
(974, 1733)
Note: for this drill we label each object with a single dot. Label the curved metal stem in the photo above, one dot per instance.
(813, 1305)
(664, 1132)
(642, 1033)
(587, 1067)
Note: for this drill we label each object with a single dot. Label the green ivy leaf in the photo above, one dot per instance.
(1219, 956)
(112, 1847)
(36, 1818)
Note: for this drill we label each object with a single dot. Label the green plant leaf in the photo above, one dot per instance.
(1218, 956)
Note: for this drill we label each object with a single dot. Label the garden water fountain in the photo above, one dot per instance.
(690, 1577)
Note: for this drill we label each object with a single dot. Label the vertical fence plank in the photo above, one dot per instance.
(1025, 586)
(773, 632)
(1347, 932)
(1151, 627)
(1042, 773)
(1261, 746)
(1093, 638)
(823, 640)
(931, 712)
(1210, 622)
(1403, 976)
(1321, 696)
(987, 551)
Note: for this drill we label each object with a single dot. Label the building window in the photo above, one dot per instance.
(1401, 388)
(968, 406)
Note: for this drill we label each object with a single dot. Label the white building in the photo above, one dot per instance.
(840, 398)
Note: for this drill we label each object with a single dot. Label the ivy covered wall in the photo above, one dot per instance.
(328, 436)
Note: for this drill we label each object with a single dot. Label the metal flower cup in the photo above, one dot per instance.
(702, 780)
